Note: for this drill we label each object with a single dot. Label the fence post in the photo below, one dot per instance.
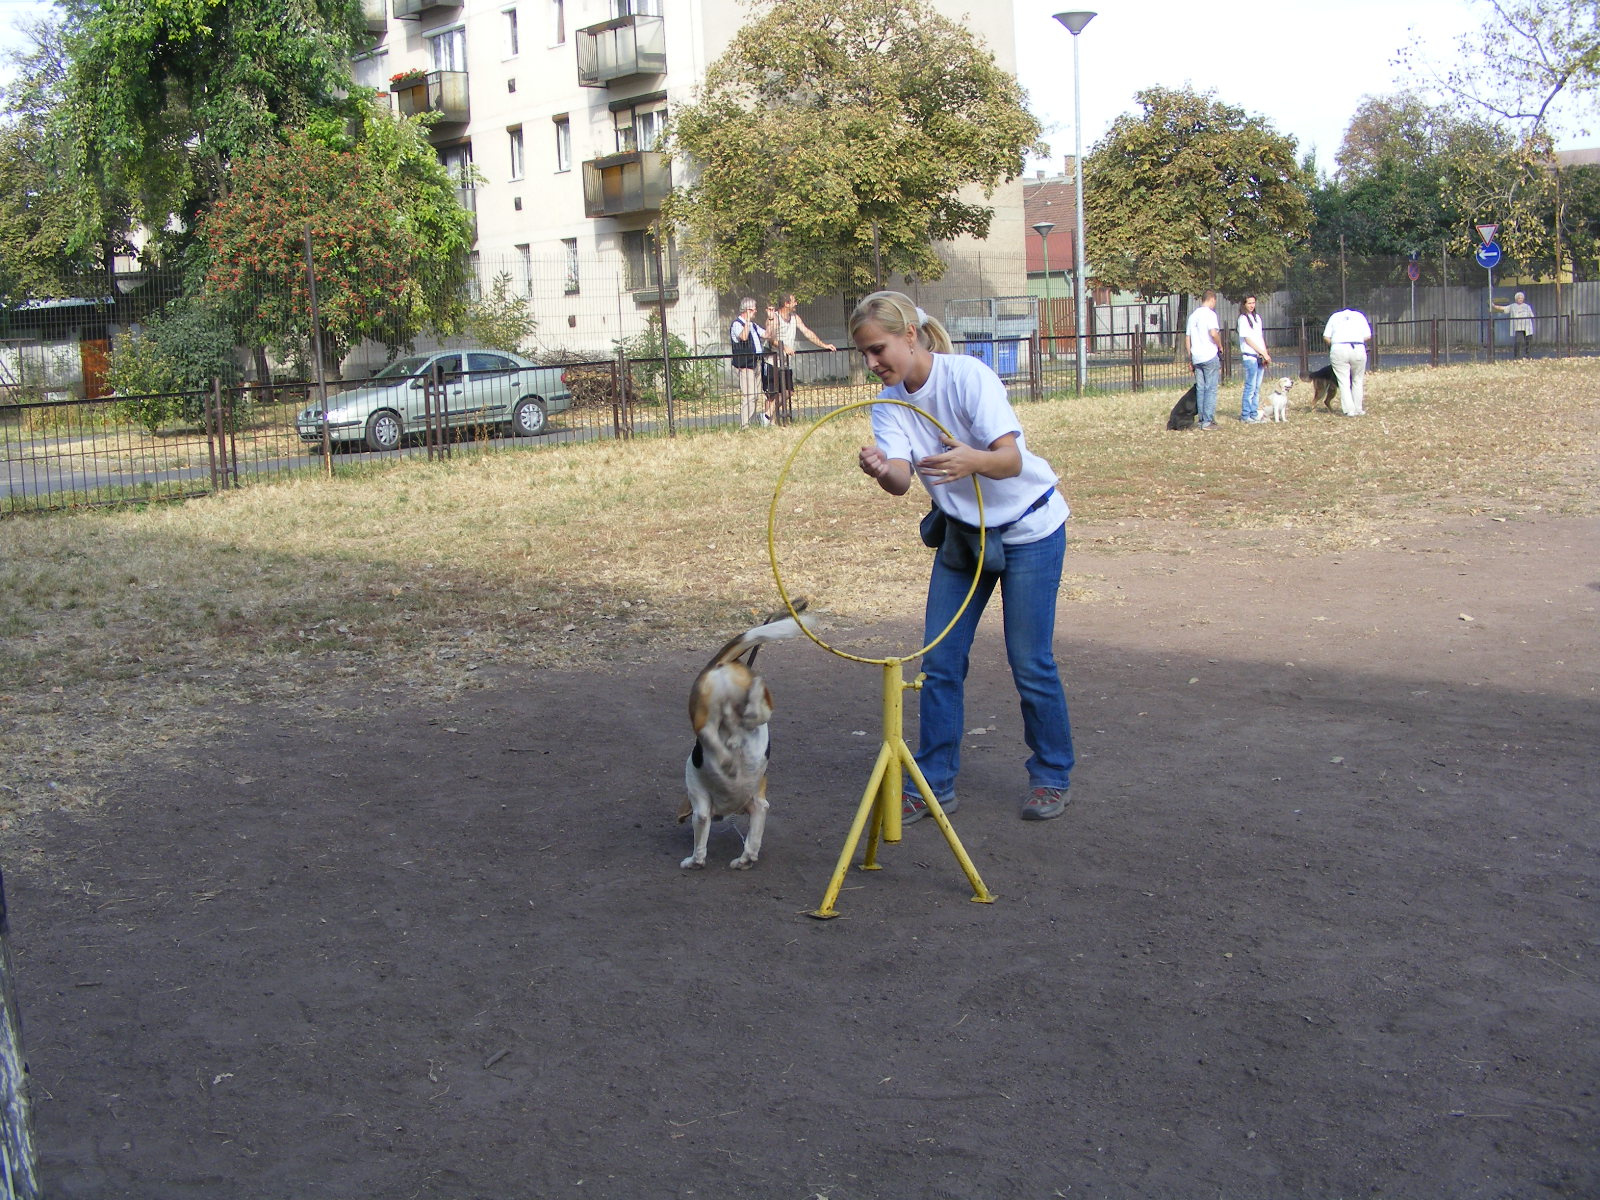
(1433, 343)
(1305, 351)
(1136, 360)
(1035, 367)
(316, 355)
(1377, 339)
(210, 407)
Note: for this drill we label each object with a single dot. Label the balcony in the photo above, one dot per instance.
(376, 14)
(621, 49)
(410, 10)
(442, 92)
(622, 185)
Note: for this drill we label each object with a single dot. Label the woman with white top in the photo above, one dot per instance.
(1253, 354)
(1025, 540)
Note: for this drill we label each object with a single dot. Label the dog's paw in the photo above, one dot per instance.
(744, 862)
(693, 864)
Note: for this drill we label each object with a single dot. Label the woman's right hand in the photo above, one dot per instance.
(874, 462)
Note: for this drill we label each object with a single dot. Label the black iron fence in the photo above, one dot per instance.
(63, 452)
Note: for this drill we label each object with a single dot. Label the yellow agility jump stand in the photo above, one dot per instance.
(880, 805)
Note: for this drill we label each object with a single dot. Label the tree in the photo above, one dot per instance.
(501, 319)
(1531, 67)
(162, 96)
(1530, 63)
(37, 218)
(1193, 194)
(1392, 194)
(836, 134)
(389, 260)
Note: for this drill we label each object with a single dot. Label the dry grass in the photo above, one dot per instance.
(129, 631)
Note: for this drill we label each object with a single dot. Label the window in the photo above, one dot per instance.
(639, 126)
(514, 138)
(558, 22)
(457, 161)
(449, 50)
(638, 8)
(639, 249)
(570, 245)
(510, 17)
(563, 144)
(525, 265)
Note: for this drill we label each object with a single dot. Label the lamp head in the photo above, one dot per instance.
(1043, 228)
(1075, 21)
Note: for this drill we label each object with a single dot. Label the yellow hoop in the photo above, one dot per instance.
(772, 527)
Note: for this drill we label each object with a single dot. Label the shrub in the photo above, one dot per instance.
(164, 371)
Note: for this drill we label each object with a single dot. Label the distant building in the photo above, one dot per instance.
(560, 104)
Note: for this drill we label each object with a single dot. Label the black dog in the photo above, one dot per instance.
(1324, 387)
(1184, 411)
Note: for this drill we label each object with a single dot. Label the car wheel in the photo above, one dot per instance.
(528, 418)
(384, 431)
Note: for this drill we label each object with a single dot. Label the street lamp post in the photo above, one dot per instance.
(1075, 22)
(1043, 229)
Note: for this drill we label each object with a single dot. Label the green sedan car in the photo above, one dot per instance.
(473, 388)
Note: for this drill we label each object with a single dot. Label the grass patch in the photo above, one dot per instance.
(130, 631)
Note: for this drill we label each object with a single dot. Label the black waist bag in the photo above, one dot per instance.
(957, 542)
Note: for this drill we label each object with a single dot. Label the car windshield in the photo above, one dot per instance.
(402, 368)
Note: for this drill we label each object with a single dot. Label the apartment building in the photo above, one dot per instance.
(559, 105)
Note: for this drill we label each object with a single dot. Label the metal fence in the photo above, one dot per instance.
(65, 452)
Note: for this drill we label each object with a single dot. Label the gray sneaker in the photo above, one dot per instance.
(1043, 803)
(913, 807)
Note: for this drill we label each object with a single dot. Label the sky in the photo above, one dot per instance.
(1302, 64)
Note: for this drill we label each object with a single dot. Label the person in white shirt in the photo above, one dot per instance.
(1255, 359)
(785, 326)
(1521, 314)
(1202, 337)
(747, 339)
(1025, 542)
(1347, 333)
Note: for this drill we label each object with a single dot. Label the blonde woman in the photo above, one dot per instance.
(910, 352)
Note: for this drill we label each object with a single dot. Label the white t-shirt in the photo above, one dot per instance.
(968, 399)
(1347, 325)
(1250, 328)
(1201, 323)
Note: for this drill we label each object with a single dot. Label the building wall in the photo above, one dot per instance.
(524, 219)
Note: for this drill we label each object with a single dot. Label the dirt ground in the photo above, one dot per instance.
(1320, 922)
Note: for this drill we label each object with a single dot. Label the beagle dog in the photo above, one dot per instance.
(729, 707)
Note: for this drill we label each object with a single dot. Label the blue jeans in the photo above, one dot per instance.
(1248, 409)
(1207, 378)
(1028, 588)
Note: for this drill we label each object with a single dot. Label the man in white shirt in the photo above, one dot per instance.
(1202, 337)
(1347, 334)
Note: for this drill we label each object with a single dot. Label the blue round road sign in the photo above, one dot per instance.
(1488, 256)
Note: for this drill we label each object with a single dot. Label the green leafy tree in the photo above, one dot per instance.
(1532, 67)
(1193, 194)
(836, 132)
(1391, 196)
(37, 190)
(387, 248)
(501, 319)
(164, 369)
(163, 96)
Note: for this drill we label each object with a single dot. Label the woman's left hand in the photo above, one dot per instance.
(957, 462)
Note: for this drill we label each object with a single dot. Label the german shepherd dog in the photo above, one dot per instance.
(1324, 387)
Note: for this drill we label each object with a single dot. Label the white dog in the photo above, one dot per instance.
(1279, 400)
(729, 707)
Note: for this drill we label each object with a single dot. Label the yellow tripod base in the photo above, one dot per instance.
(880, 803)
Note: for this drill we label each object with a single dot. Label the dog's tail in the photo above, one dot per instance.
(777, 627)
